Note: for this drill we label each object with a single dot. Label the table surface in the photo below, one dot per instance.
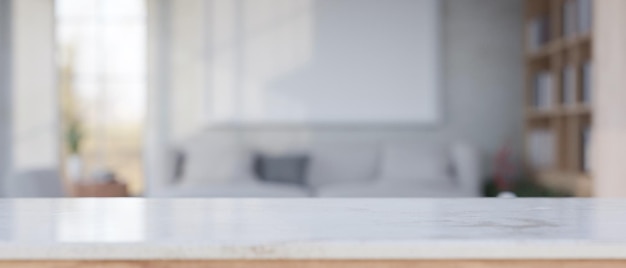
(318, 229)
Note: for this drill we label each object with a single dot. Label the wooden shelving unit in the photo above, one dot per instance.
(567, 117)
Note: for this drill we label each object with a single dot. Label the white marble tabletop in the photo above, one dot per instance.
(206, 229)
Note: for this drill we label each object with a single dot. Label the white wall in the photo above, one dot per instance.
(482, 81)
(5, 94)
(483, 72)
(35, 112)
(28, 97)
(304, 61)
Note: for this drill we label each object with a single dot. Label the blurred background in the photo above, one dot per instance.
(311, 98)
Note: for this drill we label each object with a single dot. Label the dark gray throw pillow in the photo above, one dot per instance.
(179, 166)
(283, 169)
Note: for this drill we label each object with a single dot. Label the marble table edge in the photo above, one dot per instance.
(426, 251)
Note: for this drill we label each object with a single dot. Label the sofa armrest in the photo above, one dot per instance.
(159, 166)
(174, 166)
(467, 164)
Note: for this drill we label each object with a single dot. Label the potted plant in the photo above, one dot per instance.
(74, 137)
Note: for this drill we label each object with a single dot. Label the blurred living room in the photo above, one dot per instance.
(312, 133)
(311, 98)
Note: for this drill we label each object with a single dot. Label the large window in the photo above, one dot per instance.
(102, 53)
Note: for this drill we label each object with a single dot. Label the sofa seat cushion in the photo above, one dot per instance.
(251, 189)
(443, 188)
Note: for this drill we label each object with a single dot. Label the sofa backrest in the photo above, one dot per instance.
(216, 158)
(412, 161)
(340, 162)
